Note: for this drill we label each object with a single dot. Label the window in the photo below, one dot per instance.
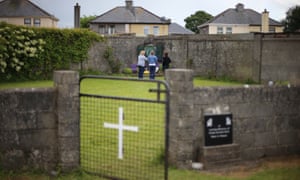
(220, 30)
(146, 30)
(156, 30)
(37, 22)
(127, 28)
(272, 29)
(27, 21)
(228, 30)
(111, 29)
(101, 29)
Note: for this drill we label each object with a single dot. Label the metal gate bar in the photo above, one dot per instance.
(125, 137)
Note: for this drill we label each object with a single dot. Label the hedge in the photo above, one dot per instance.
(28, 53)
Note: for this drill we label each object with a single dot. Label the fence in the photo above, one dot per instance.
(124, 136)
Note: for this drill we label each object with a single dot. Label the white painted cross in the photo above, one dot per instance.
(121, 127)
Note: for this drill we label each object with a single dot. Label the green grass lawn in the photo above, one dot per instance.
(26, 84)
(198, 81)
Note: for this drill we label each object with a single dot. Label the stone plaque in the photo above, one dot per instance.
(218, 129)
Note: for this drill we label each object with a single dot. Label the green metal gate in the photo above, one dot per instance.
(124, 127)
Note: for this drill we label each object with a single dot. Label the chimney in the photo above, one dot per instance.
(76, 16)
(129, 4)
(265, 21)
(239, 7)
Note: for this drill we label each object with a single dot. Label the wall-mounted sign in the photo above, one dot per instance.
(218, 129)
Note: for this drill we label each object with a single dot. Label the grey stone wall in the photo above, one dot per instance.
(256, 57)
(28, 129)
(39, 128)
(280, 58)
(266, 120)
(182, 124)
(124, 51)
(68, 117)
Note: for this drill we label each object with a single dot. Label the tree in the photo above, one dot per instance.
(84, 21)
(196, 19)
(292, 20)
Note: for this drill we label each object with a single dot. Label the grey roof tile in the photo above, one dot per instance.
(175, 28)
(129, 15)
(22, 8)
(239, 16)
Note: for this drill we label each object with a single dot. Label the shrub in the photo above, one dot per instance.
(34, 53)
(114, 64)
(19, 47)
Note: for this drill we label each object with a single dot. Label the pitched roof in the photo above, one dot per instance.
(130, 15)
(175, 28)
(22, 8)
(239, 15)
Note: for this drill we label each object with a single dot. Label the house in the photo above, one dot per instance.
(24, 12)
(240, 20)
(130, 19)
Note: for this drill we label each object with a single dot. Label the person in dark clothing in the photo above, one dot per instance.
(166, 61)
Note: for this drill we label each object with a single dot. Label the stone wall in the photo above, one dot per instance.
(266, 121)
(124, 51)
(280, 58)
(39, 128)
(28, 129)
(254, 57)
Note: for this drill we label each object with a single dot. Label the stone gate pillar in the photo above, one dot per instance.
(68, 106)
(181, 128)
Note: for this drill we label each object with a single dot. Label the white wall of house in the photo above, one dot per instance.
(228, 29)
(43, 22)
(238, 29)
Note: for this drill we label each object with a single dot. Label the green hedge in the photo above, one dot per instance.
(34, 53)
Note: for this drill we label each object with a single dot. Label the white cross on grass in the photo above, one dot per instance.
(121, 127)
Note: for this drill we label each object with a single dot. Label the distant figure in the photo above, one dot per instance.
(166, 61)
(141, 64)
(152, 61)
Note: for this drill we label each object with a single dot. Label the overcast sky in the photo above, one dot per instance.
(176, 10)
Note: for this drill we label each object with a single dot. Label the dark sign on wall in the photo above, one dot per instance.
(218, 129)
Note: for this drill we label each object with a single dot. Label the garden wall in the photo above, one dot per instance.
(39, 128)
(28, 128)
(266, 121)
(247, 57)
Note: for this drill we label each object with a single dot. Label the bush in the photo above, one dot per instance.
(28, 53)
(114, 64)
(127, 71)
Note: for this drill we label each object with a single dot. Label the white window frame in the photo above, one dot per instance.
(219, 29)
(111, 29)
(101, 29)
(228, 30)
(127, 28)
(27, 21)
(37, 22)
(156, 30)
(146, 30)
